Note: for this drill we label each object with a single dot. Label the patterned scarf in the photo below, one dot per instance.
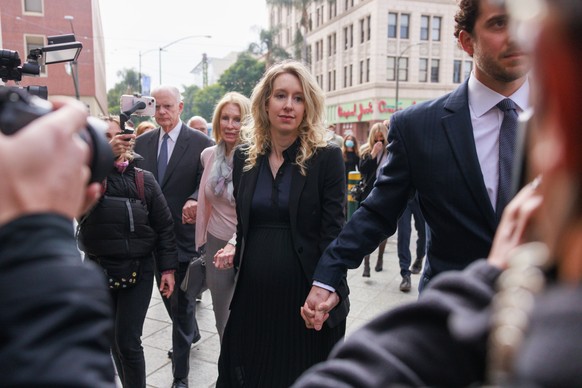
(220, 178)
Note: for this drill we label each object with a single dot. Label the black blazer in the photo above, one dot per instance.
(316, 207)
(431, 151)
(181, 180)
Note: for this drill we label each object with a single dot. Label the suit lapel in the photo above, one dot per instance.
(246, 191)
(152, 149)
(178, 152)
(459, 131)
(297, 184)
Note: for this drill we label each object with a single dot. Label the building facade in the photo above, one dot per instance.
(26, 24)
(372, 57)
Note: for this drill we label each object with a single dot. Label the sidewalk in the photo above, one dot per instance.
(369, 297)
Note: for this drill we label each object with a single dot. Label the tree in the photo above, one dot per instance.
(188, 97)
(304, 22)
(205, 100)
(129, 84)
(266, 47)
(243, 75)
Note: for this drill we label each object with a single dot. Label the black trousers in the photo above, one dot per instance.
(184, 327)
(129, 311)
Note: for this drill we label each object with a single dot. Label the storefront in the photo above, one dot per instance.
(358, 116)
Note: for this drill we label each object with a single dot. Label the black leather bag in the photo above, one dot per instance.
(357, 192)
(194, 281)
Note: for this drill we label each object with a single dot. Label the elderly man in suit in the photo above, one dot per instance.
(453, 152)
(172, 154)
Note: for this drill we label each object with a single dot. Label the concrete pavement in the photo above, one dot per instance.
(369, 297)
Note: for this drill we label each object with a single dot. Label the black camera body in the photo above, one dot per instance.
(18, 108)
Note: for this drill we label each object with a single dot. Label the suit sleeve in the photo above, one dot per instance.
(377, 217)
(238, 164)
(440, 340)
(333, 197)
(161, 221)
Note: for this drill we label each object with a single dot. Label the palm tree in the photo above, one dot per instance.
(303, 7)
(267, 48)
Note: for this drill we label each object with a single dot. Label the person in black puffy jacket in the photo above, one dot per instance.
(122, 234)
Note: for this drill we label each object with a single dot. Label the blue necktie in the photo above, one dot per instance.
(163, 159)
(507, 135)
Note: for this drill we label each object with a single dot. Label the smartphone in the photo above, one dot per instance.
(127, 131)
(127, 102)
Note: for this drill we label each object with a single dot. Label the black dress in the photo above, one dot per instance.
(266, 343)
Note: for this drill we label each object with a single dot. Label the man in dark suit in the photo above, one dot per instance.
(172, 154)
(447, 151)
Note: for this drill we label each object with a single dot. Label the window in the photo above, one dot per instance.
(332, 9)
(317, 51)
(329, 81)
(423, 70)
(434, 70)
(403, 69)
(346, 4)
(368, 70)
(351, 74)
(392, 21)
(351, 35)
(404, 24)
(362, 30)
(369, 31)
(361, 72)
(33, 6)
(345, 76)
(35, 42)
(424, 27)
(333, 82)
(457, 71)
(390, 68)
(321, 49)
(468, 68)
(346, 39)
(333, 41)
(317, 11)
(436, 28)
(309, 54)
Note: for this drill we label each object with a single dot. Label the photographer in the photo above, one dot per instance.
(55, 311)
(130, 223)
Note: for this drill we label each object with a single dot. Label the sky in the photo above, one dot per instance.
(131, 26)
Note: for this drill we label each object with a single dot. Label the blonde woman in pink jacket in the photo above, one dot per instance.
(216, 219)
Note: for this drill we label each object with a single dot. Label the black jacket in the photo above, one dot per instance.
(55, 311)
(121, 227)
(316, 212)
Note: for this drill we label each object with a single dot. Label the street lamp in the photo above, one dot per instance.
(162, 48)
(398, 71)
(73, 64)
(140, 55)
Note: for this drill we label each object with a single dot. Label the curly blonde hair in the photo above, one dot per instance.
(256, 132)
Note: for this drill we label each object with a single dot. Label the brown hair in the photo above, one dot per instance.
(466, 16)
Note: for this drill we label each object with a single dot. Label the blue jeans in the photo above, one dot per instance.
(404, 230)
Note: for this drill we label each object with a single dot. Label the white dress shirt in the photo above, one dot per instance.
(174, 133)
(486, 119)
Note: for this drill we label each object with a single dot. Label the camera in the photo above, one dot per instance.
(18, 108)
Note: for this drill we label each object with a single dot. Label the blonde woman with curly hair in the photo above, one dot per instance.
(216, 214)
(290, 187)
(372, 155)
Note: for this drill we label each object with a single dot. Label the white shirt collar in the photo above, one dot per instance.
(482, 99)
(174, 133)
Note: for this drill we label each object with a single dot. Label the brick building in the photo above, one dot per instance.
(25, 24)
